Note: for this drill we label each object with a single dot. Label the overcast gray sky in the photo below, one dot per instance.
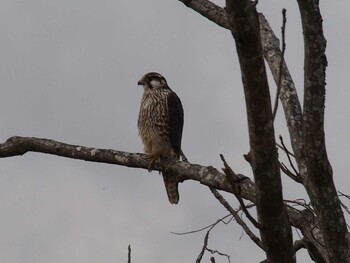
(69, 72)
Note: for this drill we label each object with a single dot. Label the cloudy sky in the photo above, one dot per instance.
(69, 72)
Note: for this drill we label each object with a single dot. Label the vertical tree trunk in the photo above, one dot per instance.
(276, 231)
(317, 173)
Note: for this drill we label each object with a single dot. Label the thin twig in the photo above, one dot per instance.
(288, 156)
(206, 227)
(239, 220)
(285, 149)
(205, 245)
(219, 253)
(279, 85)
(200, 256)
(289, 173)
(345, 195)
(342, 204)
(345, 207)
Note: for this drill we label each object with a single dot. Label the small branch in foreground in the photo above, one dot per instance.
(232, 178)
(279, 85)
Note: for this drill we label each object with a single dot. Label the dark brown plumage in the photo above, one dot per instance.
(160, 125)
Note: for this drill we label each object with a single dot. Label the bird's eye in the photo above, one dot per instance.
(149, 83)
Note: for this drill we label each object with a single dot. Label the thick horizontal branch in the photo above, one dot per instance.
(206, 175)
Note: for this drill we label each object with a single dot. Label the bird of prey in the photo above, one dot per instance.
(160, 125)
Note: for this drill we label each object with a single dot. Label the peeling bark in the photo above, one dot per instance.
(288, 94)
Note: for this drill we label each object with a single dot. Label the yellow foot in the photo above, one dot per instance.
(153, 159)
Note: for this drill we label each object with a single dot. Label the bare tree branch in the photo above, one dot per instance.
(288, 156)
(209, 10)
(342, 204)
(288, 93)
(232, 177)
(205, 245)
(219, 253)
(205, 174)
(285, 149)
(283, 29)
(285, 170)
(206, 227)
(238, 219)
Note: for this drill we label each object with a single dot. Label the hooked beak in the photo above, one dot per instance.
(140, 82)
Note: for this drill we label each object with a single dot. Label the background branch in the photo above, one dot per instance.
(238, 219)
(279, 81)
(209, 10)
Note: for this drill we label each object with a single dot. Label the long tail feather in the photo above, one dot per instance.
(171, 187)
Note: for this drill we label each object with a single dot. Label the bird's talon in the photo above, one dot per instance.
(150, 167)
(151, 163)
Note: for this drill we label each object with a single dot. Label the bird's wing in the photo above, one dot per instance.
(176, 121)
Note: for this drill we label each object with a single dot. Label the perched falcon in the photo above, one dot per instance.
(160, 126)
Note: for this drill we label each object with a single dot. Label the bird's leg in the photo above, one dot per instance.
(153, 159)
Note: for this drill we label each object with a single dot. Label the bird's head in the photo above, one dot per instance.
(153, 81)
